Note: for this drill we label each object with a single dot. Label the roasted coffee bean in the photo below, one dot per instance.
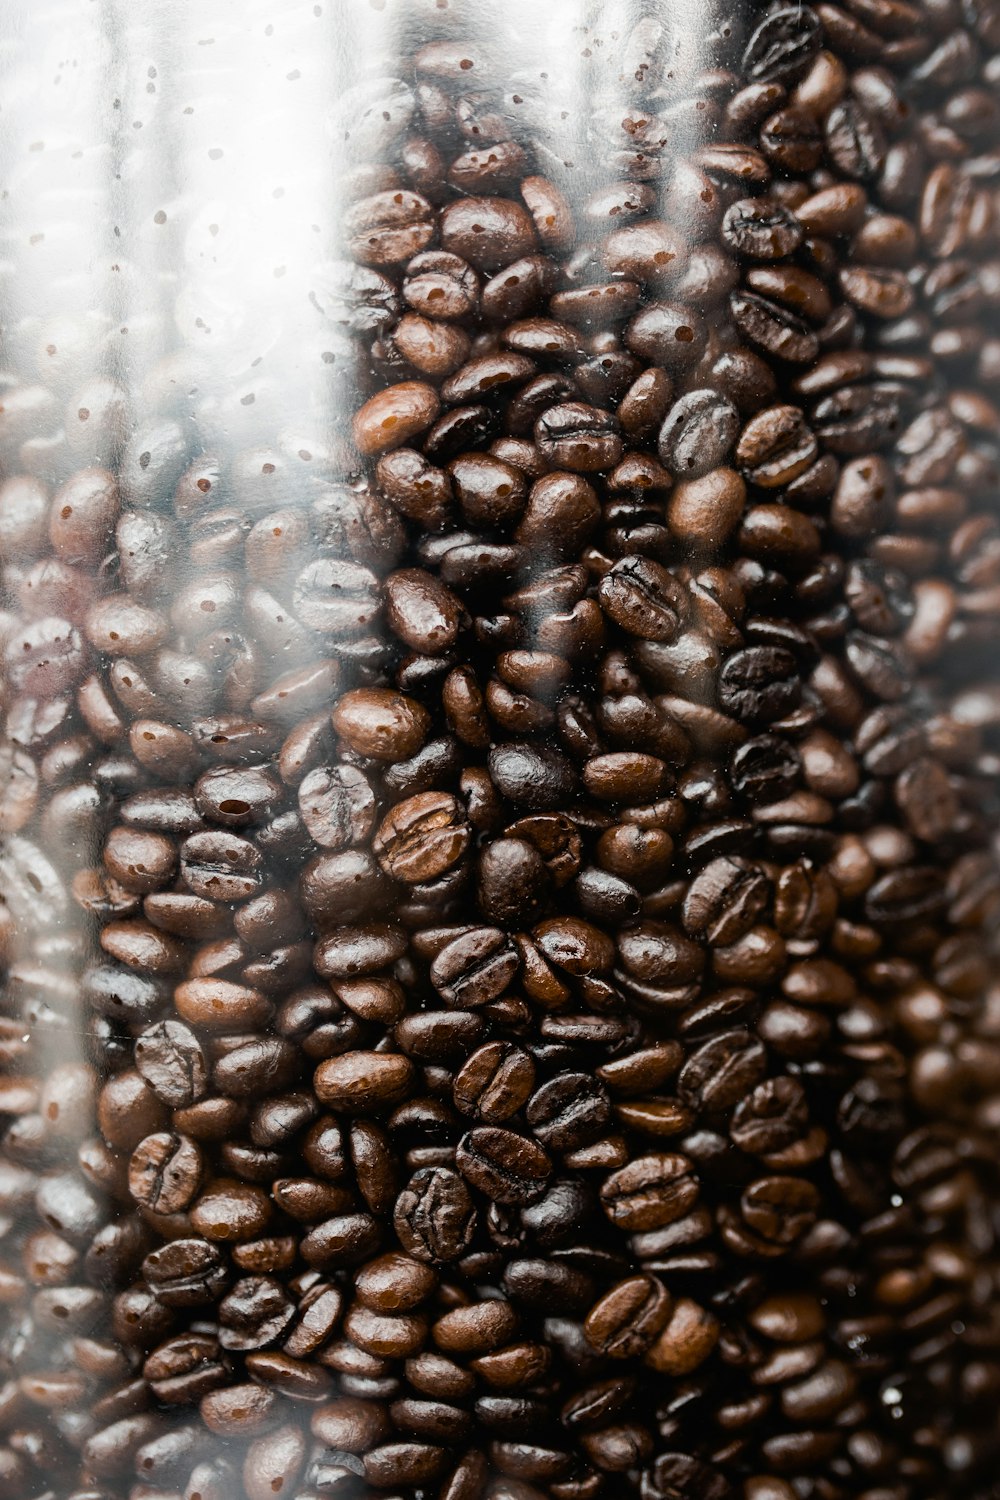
(703, 512)
(698, 434)
(475, 967)
(773, 329)
(760, 684)
(854, 140)
(628, 1318)
(366, 1080)
(650, 1192)
(422, 837)
(580, 438)
(164, 1172)
(776, 447)
(337, 806)
(724, 900)
(643, 598)
(783, 46)
(487, 232)
(220, 866)
(185, 1273)
(568, 1111)
(667, 334)
(513, 882)
(495, 1082)
(761, 229)
(503, 1165)
(381, 724)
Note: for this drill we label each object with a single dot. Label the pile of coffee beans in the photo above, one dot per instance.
(500, 955)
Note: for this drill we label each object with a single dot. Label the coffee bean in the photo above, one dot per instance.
(366, 1080)
(643, 598)
(230, 1210)
(773, 329)
(783, 46)
(780, 1209)
(724, 899)
(761, 229)
(568, 1111)
(688, 1339)
(854, 140)
(760, 684)
(513, 882)
(422, 837)
(667, 334)
(698, 434)
(185, 1273)
(722, 1070)
(776, 447)
(629, 1317)
(503, 1165)
(495, 1082)
(580, 438)
(164, 1172)
(703, 512)
(238, 1410)
(389, 227)
(475, 967)
(650, 1192)
(538, 778)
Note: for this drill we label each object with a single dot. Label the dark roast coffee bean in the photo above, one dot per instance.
(337, 806)
(583, 439)
(760, 684)
(761, 229)
(434, 1215)
(537, 778)
(475, 967)
(505, 1166)
(568, 1111)
(422, 837)
(783, 46)
(255, 1313)
(628, 1318)
(643, 598)
(185, 1273)
(698, 434)
(513, 882)
(165, 1172)
(773, 330)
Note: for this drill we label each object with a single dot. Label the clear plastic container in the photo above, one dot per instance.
(498, 883)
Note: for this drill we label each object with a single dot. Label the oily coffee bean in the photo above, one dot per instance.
(643, 598)
(185, 1273)
(760, 229)
(760, 684)
(475, 967)
(422, 837)
(165, 1172)
(538, 778)
(783, 46)
(337, 806)
(568, 1111)
(171, 1062)
(650, 1192)
(628, 1318)
(773, 330)
(578, 437)
(503, 1165)
(698, 434)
